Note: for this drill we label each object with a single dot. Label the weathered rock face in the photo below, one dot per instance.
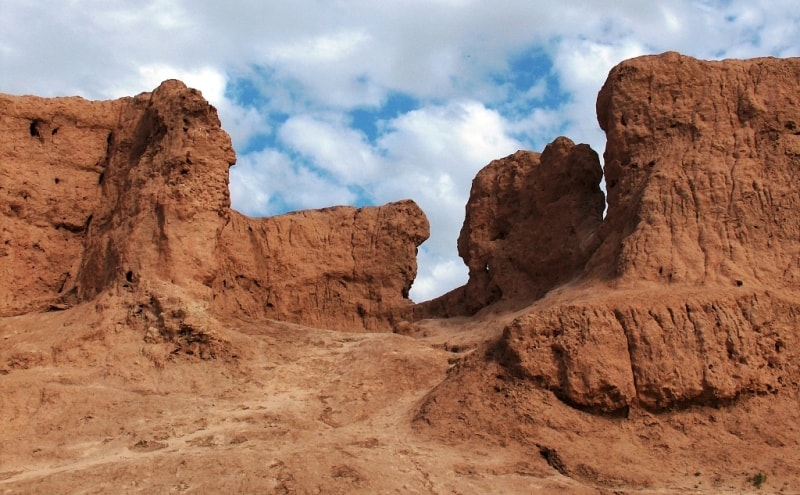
(701, 163)
(110, 197)
(164, 196)
(52, 156)
(106, 194)
(529, 222)
(129, 199)
(688, 295)
(655, 348)
(340, 267)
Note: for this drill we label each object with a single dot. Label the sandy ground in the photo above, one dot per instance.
(92, 408)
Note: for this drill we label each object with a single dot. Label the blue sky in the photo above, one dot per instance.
(364, 102)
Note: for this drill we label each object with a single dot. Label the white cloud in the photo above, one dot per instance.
(268, 182)
(435, 153)
(537, 91)
(326, 49)
(461, 130)
(211, 82)
(332, 147)
(435, 273)
(582, 66)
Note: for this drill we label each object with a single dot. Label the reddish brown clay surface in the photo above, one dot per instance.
(129, 198)
(155, 341)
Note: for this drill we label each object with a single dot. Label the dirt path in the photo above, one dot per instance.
(306, 411)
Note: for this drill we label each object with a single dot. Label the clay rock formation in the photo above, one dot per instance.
(700, 166)
(129, 199)
(529, 222)
(658, 349)
(51, 158)
(341, 267)
(530, 226)
(686, 294)
(104, 195)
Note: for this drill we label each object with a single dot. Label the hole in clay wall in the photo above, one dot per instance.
(34, 128)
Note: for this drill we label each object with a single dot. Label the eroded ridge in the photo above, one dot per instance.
(685, 293)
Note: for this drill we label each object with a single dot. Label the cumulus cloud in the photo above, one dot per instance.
(332, 147)
(434, 153)
(582, 66)
(483, 79)
(269, 182)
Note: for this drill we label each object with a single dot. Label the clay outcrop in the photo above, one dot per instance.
(342, 267)
(51, 160)
(129, 198)
(653, 349)
(686, 292)
(529, 223)
(530, 226)
(700, 167)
